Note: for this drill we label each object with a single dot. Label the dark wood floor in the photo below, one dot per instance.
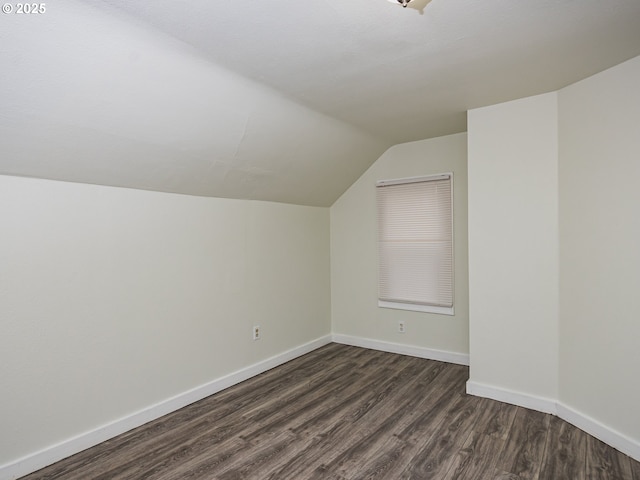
(349, 413)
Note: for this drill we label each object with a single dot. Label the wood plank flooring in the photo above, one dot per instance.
(349, 413)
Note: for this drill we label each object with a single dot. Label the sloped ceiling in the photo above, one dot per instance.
(275, 100)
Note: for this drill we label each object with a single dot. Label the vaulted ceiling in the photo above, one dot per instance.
(275, 100)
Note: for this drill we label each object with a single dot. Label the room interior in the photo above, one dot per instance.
(173, 174)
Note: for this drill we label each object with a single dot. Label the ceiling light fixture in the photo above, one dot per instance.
(401, 2)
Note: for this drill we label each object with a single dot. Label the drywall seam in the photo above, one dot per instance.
(411, 350)
(76, 444)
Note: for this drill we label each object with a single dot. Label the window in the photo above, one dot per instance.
(415, 243)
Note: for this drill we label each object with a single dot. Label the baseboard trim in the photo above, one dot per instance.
(608, 435)
(55, 453)
(611, 437)
(411, 350)
(49, 455)
(533, 402)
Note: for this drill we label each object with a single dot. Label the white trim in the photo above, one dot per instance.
(387, 288)
(71, 446)
(411, 350)
(422, 178)
(50, 455)
(414, 307)
(541, 404)
(608, 435)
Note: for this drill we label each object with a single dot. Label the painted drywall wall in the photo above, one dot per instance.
(112, 299)
(513, 246)
(354, 257)
(599, 176)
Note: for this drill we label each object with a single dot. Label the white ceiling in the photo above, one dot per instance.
(275, 100)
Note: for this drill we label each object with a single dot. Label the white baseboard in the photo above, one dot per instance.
(69, 447)
(533, 402)
(413, 351)
(611, 437)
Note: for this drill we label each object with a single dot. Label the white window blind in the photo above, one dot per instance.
(415, 243)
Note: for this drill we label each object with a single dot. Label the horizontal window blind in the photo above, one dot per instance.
(415, 241)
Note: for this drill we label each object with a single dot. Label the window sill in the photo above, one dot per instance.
(416, 308)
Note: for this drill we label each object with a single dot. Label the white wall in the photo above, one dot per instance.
(354, 257)
(513, 246)
(112, 300)
(554, 263)
(600, 248)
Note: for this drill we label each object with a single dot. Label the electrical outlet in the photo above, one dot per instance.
(401, 328)
(256, 332)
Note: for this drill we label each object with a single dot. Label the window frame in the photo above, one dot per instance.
(420, 307)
